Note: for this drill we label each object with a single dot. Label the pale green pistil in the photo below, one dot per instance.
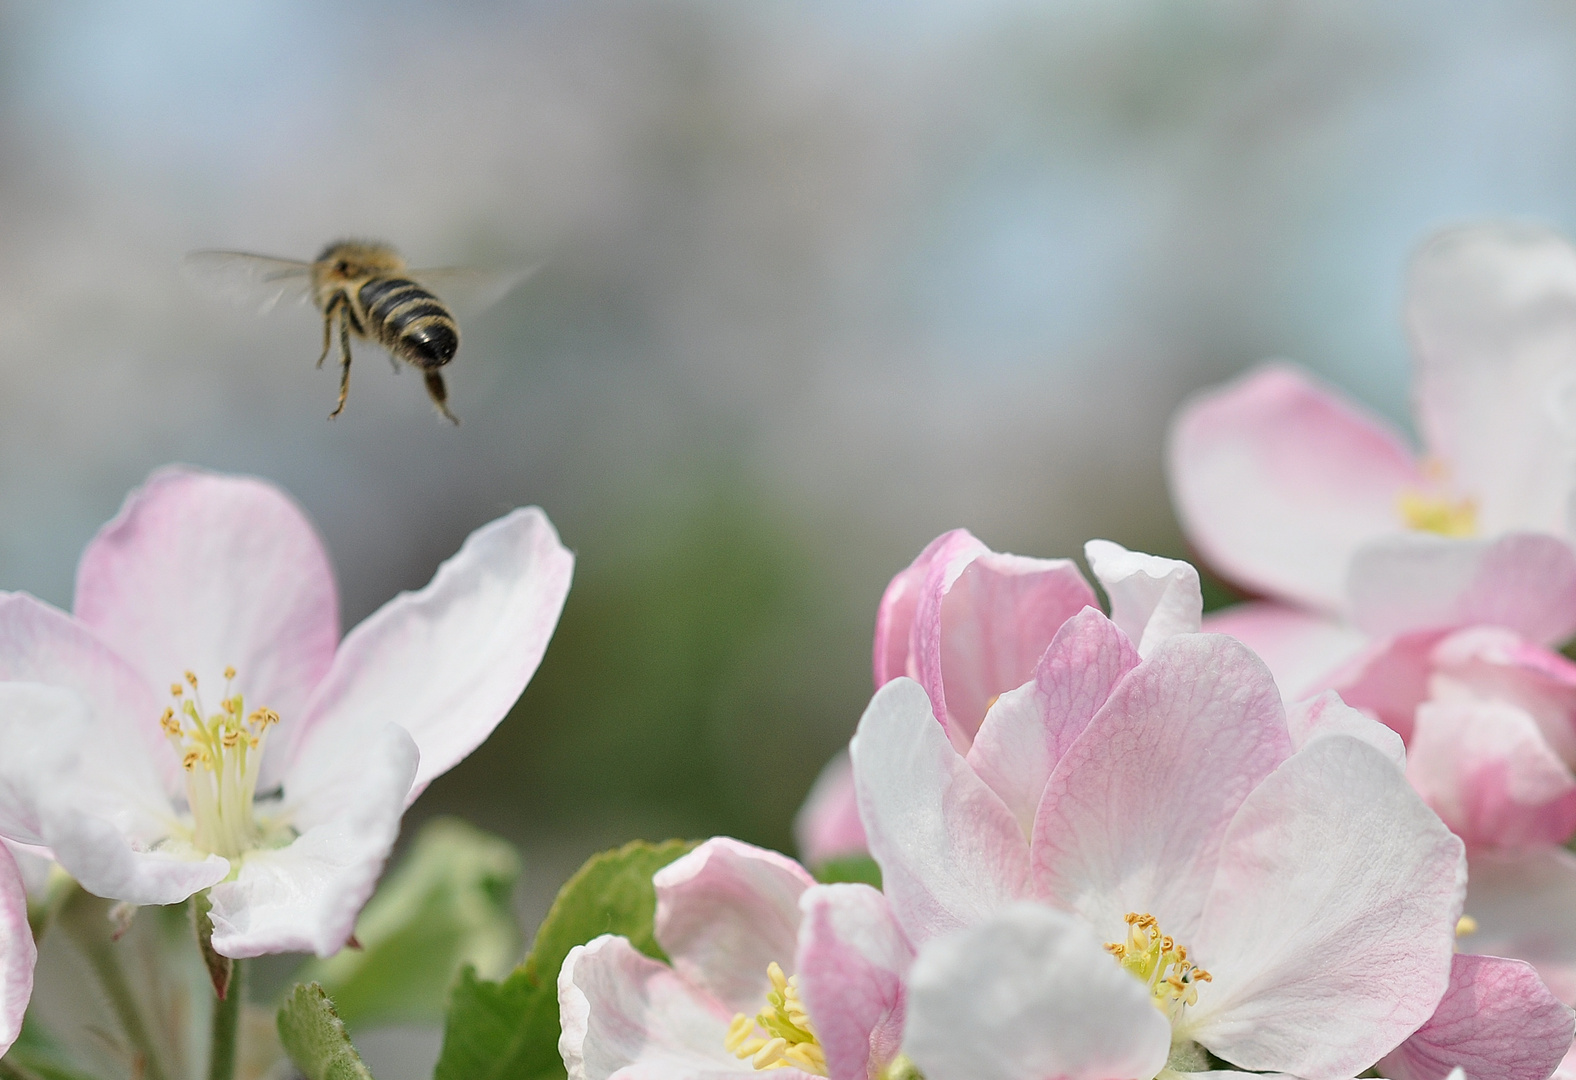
(221, 753)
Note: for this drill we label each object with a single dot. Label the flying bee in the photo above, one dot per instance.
(368, 288)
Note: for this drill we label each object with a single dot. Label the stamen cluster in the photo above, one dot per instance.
(779, 1036)
(221, 753)
(1160, 963)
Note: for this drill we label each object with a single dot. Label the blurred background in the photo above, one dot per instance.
(819, 280)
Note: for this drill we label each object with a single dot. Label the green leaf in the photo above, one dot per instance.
(509, 1030)
(447, 905)
(857, 868)
(315, 1038)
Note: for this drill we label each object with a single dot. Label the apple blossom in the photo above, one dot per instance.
(769, 971)
(1292, 492)
(17, 951)
(1285, 907)
(277, 767)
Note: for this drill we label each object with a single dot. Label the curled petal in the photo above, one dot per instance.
(1496, 1019)
(446, 663)
(853, 959)
(724, 912)
(1278, 481)
(1030, 993)
(1152, 598)
(1327, 714)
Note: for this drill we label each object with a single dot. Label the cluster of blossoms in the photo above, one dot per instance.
(1317, 836)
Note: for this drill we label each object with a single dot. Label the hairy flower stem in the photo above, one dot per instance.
(86, 921)
(227, 1026)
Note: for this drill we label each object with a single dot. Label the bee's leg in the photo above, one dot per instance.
(440, 396)
(393, 362)
(328, 328)
(344, 362)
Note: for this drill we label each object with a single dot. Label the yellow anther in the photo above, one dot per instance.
(191, 678)
(1156, 960)
(171, 726)
(230, 740)
(1437, 514)
(780, 1036)
(176, 689)
(220, 795)
(1466, 925)
(263, 718)
(229, 673)
(191, 759)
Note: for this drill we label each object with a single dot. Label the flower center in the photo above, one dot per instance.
(1160, 963)
(221, 753)
(1438, 514)
(780, 1036)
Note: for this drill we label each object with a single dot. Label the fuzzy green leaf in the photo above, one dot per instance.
(447, 905)
(509, 1030)
(315, 1038)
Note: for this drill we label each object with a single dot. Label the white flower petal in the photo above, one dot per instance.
(305, 897)
(17, 952)
(447, 662)
(1327, 715)
(1152, 598)
(1025, 995)
(949, 849)
(1331, 923)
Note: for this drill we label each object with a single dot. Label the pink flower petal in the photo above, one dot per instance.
(1278, 481)
(1152, 598)
(853, 959)
(1492, 314)
(1027, 995)
(949, 849)
(40, 643)
(981, 621)
(1327, 714)
(305, 897)
(1524, 582)
(895, 614)
(17, 952)
(827, 826)
(1303, 650)
(1497, 1019)
(448, 662)
(1486, 769)
(1498, 665)
(1390, 678)
(1134, 813)
(724, 912)
(1524, 904)
(1331, 920)
(201, 571)
(625, 1015)
(1029, 729)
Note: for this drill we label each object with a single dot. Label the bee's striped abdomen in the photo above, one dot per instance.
(409, 321)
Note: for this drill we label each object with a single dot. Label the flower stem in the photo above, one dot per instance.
(85, 919)
(227, 1026)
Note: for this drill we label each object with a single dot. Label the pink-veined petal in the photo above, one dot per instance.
(1497, 1019)
(724, 912)
(1152, 598)
(1029, 729)
(1492, 315)
(625, 1015)
(1418, 581)
(1304, 650)
(446, 663)
(200, 571)
(1524, 906)
(17, 952)
(1029, 994)
(1486, 769)
(1331, 921)
(949, 849)
(1327, 714)
(1278, 481)
(982, 620)
(305, 897)
(827, 826)
(1135, 811)
(853, 959)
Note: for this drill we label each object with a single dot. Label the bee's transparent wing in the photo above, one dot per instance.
(468, 291)
(256, 280)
